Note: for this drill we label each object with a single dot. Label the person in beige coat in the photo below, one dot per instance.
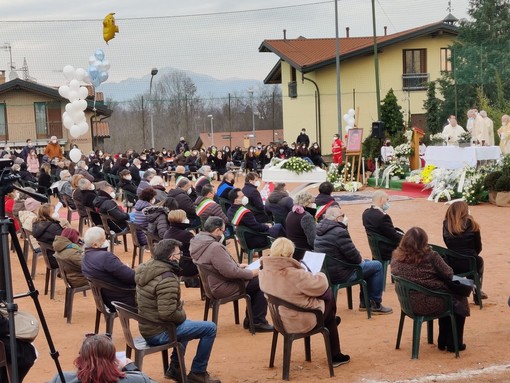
(287, 279)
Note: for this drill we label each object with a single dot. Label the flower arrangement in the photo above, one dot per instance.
(437, 139)
(464, 138)
(404, 150)
(297, 165)
(474, 191)
(398, 171)
(426, 174)
(336, 177)
(408, 135)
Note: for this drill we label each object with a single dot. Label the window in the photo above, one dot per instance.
(415, 76)
(48, 119)
(3, 123)
(292, 74)
(446, 60)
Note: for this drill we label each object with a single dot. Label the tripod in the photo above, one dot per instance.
(6, 292)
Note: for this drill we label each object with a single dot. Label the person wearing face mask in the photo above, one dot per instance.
(148, 175)
(280, 153)
(337, 146)
(303, 139)
(255, 204)
(333, 239)
(205, 177)
(206, 206)
(251, 159)
(239, 214)
(159, 185)
(53, 149)
(181, 146)
(376, 220)
(134, 169)
(208, 251)
(227, 184)
(100, 263)
(83, 169)
(178, 225)
(126, 184)
(10, 199)
(159, 297)
(181, 193)
(300, 224)
(105, 203)
(387, 151)
(146, 199)
(26, 150)
(316, 156)
(84, 196)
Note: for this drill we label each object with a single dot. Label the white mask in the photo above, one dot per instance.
(55, 215)
(129, 178)
(245, 201)
(256, 184)
(189, 191)
(469, 211)
(185, 221)
(222, 238)
(210, 175)
(313, 205)
(112, 194)
(54, 141)
(106, 244)
(85, 167)
(92, 187)
(153, 201)
(345, 220)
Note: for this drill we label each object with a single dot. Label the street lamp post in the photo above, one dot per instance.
(154, 72)
(212, 128)
(251, 91)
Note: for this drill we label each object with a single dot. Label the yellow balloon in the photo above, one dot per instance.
(109, 27)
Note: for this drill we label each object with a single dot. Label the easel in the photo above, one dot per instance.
(350, 158)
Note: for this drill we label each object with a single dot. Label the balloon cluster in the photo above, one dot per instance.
(349, 119)
(74, 117)
(98, 69)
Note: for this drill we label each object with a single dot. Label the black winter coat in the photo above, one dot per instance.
(157, 219)
(178, 231)
(106, 205)
(184, 201)
(256, 205)
(378, 222)
(333, 239)
(46, 231)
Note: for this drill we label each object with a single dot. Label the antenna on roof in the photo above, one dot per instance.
(285, 34)
(449, 8)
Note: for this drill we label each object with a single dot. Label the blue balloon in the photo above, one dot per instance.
(99, 54)
(103, 76)
(93, 72)
(96, 82)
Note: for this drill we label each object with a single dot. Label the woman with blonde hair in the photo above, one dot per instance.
(44, 180)
(285, 278)
(414, 260)
(300, 224)
(97, 363)
(461, 233)
(33, 162)
(177, 229)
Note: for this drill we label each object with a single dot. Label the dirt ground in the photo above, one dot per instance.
(240, 357)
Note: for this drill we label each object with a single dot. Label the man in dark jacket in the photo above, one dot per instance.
(279, 203)
(207, 207)
(181, 194)
(227, 184)
(99, 263)
(105, 203)
(255, 203)
(303, 139)
(158, 295)
(333, 239)
(376, 220)
(238, 214)
(146, 181)
(324, 200)
(134, 169)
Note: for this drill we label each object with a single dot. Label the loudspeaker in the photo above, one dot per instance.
(378, 129)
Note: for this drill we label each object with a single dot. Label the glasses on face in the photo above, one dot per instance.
(178, 254)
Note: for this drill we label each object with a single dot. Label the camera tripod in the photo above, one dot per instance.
(6, 291)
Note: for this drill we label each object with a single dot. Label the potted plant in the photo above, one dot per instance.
(464, 139)
(497, 183)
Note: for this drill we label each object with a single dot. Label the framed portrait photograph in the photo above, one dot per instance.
(354, 140)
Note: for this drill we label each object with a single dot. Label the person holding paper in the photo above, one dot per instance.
(414, 260)
(287, 279)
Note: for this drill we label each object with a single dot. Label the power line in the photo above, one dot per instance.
(385, 14)
(174, 16)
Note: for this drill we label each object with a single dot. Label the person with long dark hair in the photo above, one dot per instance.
(414, 260)
(461, 233)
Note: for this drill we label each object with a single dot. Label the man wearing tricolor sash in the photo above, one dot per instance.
(206, 175)
(206, 207)
(238, 215)
(324, 200)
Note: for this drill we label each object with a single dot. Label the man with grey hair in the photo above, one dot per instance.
(376, 220)
(208, 251)
(158, 293)
(146, 181)
(84, 197)
(333, 239)
(82, 168)
(181, 193)
(99, 263)
(105, 203)
(134, 169)
(206, 175)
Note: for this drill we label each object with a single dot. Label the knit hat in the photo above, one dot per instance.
(31, 204)
(72, 234)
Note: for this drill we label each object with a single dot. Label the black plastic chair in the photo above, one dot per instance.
(127, 313)
(129, 200)
(404, 288)
(241, 235)
(47, 252)
(97, 285)
(274, 305)
(111, 234)
(65, 201)
(211, 301)
(452, 257)
(152, 239)
(84, 219)
(137, 248)
(331, 262)
(374, 241)
(70, 291)
(3, 362)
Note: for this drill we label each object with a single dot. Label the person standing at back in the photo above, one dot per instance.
(303, 139)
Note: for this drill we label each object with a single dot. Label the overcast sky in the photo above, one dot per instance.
(219, 38)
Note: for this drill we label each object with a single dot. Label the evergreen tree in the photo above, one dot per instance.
(432, 107)
(391, 115)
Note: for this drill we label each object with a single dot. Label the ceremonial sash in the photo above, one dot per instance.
(224, 186)
(322, 209)
(200, 179)
(238, 216)
(202, 206)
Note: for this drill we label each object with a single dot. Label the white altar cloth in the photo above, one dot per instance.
(454, 157)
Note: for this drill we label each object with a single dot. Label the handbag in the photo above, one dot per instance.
(459, 288)
(26, 325)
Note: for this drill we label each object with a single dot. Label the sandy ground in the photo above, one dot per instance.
(240, 357)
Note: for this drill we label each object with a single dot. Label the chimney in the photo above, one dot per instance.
(385, 30)
(2, 77)
(347, 29)
(285, 34)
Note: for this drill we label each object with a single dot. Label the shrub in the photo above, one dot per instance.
(502, 184)
(491, 179)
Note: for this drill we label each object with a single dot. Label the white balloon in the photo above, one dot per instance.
(350, 123)
(69, 108)
(67, 121)
(79, 74)
(106, 64)
(68, 72)
(346, 117)
(351, 112)
(84, 127)
(74, 132)
(92, 60)
(102, 66)
(74, 84)
(64, 91)
(83, 92)
(78, 116)
(347, 128)
(82, 104)
(73, 95)
(87, 79)
(75, 155)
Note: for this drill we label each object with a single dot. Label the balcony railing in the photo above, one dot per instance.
(415, 81)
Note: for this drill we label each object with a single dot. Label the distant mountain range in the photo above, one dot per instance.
(207, 86)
